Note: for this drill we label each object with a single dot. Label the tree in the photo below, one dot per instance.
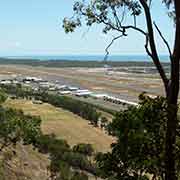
(85, 149)
(79, 176)
(111, 15)
(3, 96)
(104, 122)
(17, 127)
(140, 146)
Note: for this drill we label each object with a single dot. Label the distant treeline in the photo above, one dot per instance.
(74, 63)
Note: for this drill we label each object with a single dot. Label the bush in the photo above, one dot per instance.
(79, 176)
(104, 122)
(76, 160)
(15, 126)
(3, 96)
(48, 144)
(85, 149)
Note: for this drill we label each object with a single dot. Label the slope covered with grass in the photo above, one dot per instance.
(64, 124)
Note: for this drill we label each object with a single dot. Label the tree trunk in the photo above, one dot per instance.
(172, 99)
(170, 170)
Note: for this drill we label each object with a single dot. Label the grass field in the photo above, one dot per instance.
(64, 124)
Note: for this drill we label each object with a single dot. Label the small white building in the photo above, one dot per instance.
(98, 96)
(45, 84)
(64, 92)
(119, 101)
(71, 88)
(58, 87)
(52, 89)
(27, 82)
(83, 92)
(5, 82)
(34, 79)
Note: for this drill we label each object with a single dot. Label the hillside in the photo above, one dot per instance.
(64, 124)
(23, 163)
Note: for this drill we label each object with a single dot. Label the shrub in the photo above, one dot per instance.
(3, 96)
(85, 149)
(79, 176)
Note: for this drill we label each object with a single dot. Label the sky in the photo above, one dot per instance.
(34, 27)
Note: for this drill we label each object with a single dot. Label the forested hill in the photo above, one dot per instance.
(74, 63)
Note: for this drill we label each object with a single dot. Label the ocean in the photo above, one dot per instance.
(140, 58)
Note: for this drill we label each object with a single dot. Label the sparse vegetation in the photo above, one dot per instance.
(85, 149)
(64, 159)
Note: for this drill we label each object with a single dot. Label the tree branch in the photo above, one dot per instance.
(135, 28)
(127, 27)
(164, 40)
(146, 47)
(104, 22)
(110, 44)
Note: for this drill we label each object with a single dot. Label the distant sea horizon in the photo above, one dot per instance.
(138, 58)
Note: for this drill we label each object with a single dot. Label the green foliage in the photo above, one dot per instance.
(79, 176)
(63, 158)
(67, 174)
(48, 143)
(77, 160)
(85, 149)
(65, 171)
(104, 122)
(101, 12)
(3, 96)
(15, 126)
(16, 90)
(140, 146)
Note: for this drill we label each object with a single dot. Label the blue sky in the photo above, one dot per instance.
(34, 27)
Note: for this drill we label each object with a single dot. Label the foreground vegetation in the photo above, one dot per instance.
(66, 162)
(17, 127)
(137, 154)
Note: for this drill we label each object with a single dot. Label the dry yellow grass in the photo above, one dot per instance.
(26, 163)
(64, 124)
